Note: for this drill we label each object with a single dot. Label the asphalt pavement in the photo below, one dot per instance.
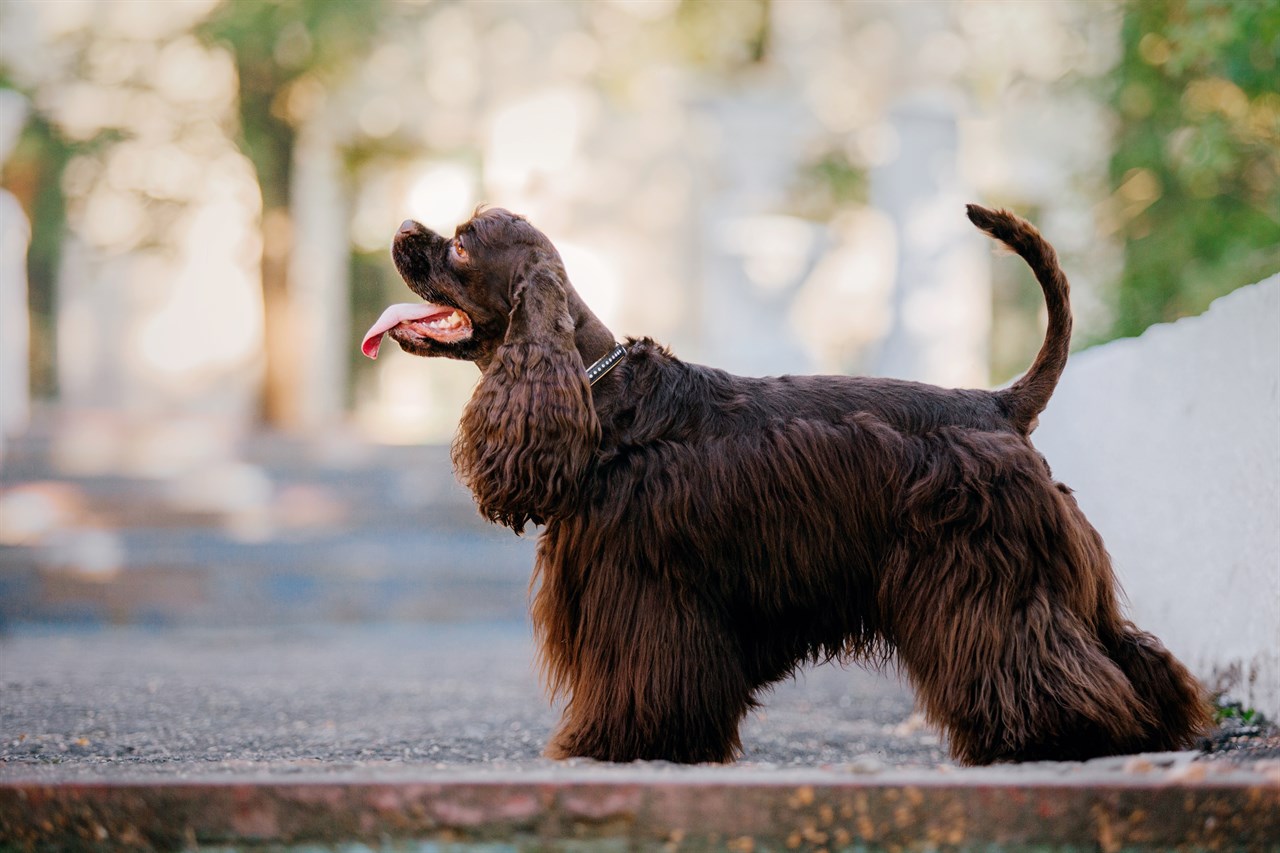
(126, 702)
(419, 735)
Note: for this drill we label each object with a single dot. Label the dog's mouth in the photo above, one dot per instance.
(440, 323)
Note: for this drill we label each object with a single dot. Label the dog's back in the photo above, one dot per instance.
(674, 400)
(697, 399)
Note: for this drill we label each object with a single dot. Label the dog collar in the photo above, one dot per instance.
(605, 364)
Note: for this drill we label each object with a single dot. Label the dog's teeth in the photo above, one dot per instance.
(451, 321)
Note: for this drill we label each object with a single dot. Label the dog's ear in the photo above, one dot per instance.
(540, 306)
(529, 435)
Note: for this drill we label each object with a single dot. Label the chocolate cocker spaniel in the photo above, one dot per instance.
(704, 533)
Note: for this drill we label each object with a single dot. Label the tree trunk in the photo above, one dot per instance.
(279, 388)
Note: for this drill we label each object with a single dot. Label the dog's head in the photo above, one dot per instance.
(471, 283)
(496, 294)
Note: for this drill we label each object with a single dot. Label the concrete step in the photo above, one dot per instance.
(418, 737)
(419, 485)
(642, 810)
(173, 524)
(171, 576)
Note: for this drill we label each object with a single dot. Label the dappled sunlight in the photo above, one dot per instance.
(650, 10)
(442, 196)
(596, 275)
(109, 443)
(775, 250)
(411, 404)
(535, 140)
(843, 308)
(710, 171)
(606, 124)
(213, 298)
(87, 552)
(34, 510)
(159, 299)
(205, 193)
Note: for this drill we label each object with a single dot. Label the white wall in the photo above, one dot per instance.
(1172, 443)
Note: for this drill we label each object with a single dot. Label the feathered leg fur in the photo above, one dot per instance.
(1001, 602)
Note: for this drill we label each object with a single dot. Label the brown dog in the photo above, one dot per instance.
(705, 533)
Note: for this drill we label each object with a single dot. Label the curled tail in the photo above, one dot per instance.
(1026, 398)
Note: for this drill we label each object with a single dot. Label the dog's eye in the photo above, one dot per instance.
(459, 250)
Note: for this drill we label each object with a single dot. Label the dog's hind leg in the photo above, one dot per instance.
(1179, 707)
(1164, 684)
(1010, 677)
(1001, 601)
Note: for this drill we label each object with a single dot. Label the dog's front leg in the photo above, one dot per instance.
(648, 677)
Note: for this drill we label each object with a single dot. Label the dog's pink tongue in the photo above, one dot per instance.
(392, 317)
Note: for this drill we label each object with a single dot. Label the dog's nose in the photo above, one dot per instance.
(409, 226)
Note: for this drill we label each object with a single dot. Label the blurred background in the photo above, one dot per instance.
(198, 197)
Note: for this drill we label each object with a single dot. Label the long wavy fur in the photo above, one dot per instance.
(735, 531)
(529, 434)
(705, 534)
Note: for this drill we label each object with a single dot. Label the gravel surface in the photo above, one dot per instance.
(129, 702)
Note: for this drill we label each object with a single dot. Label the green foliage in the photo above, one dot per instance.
(827, 182)
(379, 286)
(729, 36)
(33, 173)
(1234, 713)
(1196, 168)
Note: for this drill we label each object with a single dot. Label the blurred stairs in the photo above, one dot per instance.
(167, 523)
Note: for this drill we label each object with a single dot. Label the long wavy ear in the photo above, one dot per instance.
(529, 435)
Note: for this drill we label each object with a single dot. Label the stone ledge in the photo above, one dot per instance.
(744, 812)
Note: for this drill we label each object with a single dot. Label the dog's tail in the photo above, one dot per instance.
(1026, 398)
